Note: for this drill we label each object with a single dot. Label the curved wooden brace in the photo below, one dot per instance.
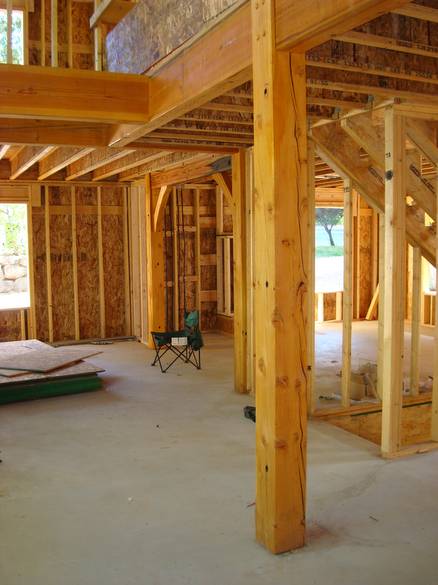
(225, 184)
(163, 198)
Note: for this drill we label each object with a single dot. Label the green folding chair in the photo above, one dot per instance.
(184, 345)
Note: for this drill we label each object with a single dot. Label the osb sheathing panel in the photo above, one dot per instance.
(40, 274)
(10, 325)
(113, 270)
(61, 258)
(329, 306)
(88, 266)
(415, 425)
(154, 28)
(225, 324)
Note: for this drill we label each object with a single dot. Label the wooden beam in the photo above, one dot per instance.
(73, 95)
(4, 149)
(223, 181)
(48, 262)
(417, 11)
(421, 134)
(47, 132)
(131, 161)
(387, 43)
(319, 22)
(347, 297)
(185, 83)
(395, 251)
(280, 301)
(111, 11)
(26, 158)
(155, 269)
(59, 159)
(345, 156)
(94, 160)
(160, 207)
(175, 146)
(240, 287)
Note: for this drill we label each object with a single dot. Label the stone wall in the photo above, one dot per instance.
(13, 273)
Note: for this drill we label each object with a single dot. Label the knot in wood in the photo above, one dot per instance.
(261, 365)
(276, 318)
(282, 381)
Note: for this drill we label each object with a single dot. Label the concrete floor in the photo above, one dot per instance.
(151, 482)
(328, 348)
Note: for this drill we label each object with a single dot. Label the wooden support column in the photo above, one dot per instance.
(395, 276)
(101, 267)
(380, 354)
(415, 320)
(9, 8)
(128, 331)
(281, 268)
(48, 262)
(54, 33)
(347, 297)
(311, 278)
(74, 252)
(240, 271)
(175, 241)
(434, 426)
(155, 267)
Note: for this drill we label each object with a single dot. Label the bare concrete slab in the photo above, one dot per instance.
(151, 482)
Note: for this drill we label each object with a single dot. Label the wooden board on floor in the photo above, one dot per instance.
(79, 369)
(43, 360)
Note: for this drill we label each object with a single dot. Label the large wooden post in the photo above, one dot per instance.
(240, 272)
(434, 422)
(155, 267)
(281, 269)
(395, 276)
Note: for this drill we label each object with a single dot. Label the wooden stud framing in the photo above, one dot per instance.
(395, 251)
(43, 33)
(126, 261)
(381, 314)
(311, 281)
(9, 8)
(101, 269)
(227, 275)
(434, 424)
(175, 241)
(32, 311)
(197, 251)
(347, 308)
(415, 321)
(281, 271)
(54, 33)
(155, 269)
(48, 262)
(74, 252)
(240, 271)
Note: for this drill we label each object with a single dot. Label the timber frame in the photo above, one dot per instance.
(323, 124)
